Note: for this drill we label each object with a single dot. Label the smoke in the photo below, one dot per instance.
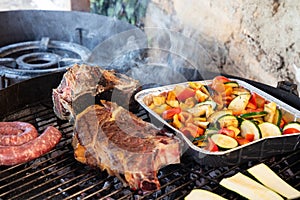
(156, 55)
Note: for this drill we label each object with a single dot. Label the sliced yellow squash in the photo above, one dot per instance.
(240, 102)
(271, 180)
(203, 194)
(248, 188)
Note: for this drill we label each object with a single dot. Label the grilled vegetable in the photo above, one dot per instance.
(239, 103)
(233, 84)
(292, 127)
(201, 109)
(186, 93)
(209, 102)
(254, 114)
(245, 186)
(240, 91)
(241, 140)
(271, 180)
(268, 129)
(290, 131)
(227, 131)
(277, 117)
(168, 114)
(203, 194)
(216, 115)
(200, 96)
(224, 141)
(227, 120)
(271, 109)
(249, 127)
(225, 108)
(252, 101)
(211, 146)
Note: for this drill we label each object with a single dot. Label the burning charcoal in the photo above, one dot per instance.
(199, 182)
(106, 185)
(193, 176)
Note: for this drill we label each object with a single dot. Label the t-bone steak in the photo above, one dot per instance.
(114, 139)
(82, 83)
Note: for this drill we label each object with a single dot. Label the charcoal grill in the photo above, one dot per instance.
(35, 42)
(26, 60)
(57, 175)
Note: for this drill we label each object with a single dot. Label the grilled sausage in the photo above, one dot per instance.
(16, 133)
(11, 155)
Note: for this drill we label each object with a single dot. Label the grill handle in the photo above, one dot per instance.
(288, 86)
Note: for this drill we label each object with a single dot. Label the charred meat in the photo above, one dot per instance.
(114, 139)
(82, 83)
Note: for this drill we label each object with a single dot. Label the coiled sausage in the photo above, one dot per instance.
(12, 155)
(16, 133)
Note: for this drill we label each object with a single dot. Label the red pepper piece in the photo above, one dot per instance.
(282, 123)
(249, 137)
(226, 131)
(186, 93)
(252, 104)
(242, 141)
(211, 146)
(168, 114)
(222, 79)
(290, 131)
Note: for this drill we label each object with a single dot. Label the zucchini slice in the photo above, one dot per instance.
(268, 129)
(224, 141)
(240, 102)
(295, 125)
(248, 126)
(254, 114)
(233, 84)
(239, 91)
(277, 117)
(210, 131)
(216, 115)
(227, 120)
(248, 188)
(271, 180)
(209, 102)
(202, 194)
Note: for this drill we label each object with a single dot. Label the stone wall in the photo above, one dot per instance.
(259, 40)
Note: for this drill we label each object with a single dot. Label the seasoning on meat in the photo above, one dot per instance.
(12, 155)
(81, 83)
(16, 133)
(114, 139)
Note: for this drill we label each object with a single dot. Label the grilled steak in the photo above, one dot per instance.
(115, 140)
(82, 83)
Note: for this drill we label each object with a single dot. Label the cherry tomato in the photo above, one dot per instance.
(290, 131)
(168, 114)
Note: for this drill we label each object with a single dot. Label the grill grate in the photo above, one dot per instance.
(57, 175)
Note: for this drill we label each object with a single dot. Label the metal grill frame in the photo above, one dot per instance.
(57, 175)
